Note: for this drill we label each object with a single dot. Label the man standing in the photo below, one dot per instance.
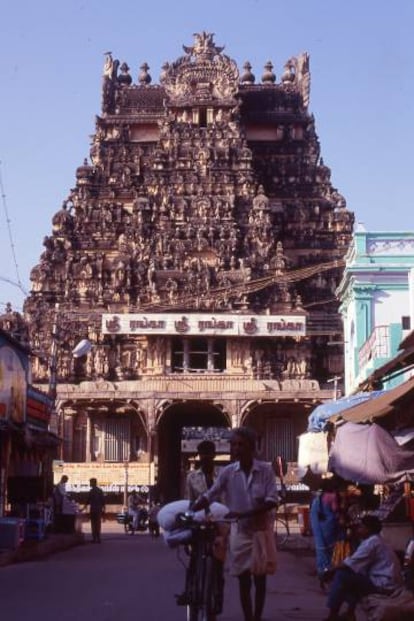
(200, 480)
(96, 502)
(372, 568)
(249, 488)
(59, 494)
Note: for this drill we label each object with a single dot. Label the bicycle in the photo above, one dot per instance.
(285, 538)
(204, 581)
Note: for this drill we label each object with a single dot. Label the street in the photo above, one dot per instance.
(136, 577)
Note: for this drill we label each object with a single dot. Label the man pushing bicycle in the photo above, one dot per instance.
(249, 488)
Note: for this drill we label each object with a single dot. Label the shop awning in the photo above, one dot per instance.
(322, 413)
(380, 406)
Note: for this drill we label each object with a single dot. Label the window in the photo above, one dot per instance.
(117, 438)
(193, 355)
(280, 438)
(79, 437)
(406, 323)
(202, 119)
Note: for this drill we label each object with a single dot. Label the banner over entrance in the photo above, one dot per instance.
(204, 324)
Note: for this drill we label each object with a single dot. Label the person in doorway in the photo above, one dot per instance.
(201, 479)
(96, 502)
(372, 568)
(249, 488)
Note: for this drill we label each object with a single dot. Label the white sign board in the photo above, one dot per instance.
(204, 324)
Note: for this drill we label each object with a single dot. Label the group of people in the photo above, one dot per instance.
(335, 512)
(247, 486)
(372, 568)
(95, 501)
(352, 558)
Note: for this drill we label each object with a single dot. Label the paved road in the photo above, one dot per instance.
(134, 578)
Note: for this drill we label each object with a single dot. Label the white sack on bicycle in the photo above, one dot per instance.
(167, 514)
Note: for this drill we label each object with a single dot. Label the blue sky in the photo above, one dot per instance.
(51, 59)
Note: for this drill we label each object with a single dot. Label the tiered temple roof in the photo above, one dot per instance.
(203, 193)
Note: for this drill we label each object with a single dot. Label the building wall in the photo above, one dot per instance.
(391, 303)
(375, 294)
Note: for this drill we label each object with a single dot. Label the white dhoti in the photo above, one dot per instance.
(241, 546)
(253, 551)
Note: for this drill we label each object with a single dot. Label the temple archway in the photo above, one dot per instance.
(171, 465)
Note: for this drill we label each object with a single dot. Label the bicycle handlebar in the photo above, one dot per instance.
(187, 520)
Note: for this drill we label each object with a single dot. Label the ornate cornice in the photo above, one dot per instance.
(386, 246)
(204, 74)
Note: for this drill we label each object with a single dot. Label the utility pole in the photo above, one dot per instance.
(126, 465)
(335, 381)
(53, 374)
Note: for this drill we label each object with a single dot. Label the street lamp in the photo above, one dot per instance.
(126, 465)
(82, 348)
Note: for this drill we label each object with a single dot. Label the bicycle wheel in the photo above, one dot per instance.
(192, 586)
(207, 608)
(192, 612)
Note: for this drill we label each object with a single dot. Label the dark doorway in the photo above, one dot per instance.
(171, 466)
(278, 426)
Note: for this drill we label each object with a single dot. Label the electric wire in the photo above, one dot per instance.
(18, 283)
(251, 286)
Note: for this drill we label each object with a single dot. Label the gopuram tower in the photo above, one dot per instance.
(189, 278)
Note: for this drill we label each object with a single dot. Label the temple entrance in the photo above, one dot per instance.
(171, 465)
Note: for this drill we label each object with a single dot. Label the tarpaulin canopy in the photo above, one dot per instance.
(318, 418)
(369, 454)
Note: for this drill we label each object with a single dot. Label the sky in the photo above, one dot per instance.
(51, 61)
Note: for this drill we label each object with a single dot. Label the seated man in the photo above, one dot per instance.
(372, 568)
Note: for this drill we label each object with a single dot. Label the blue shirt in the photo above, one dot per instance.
(375, 559)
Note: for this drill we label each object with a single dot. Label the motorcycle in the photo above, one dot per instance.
(128, 521)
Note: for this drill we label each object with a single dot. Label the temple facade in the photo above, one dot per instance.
(189, 278)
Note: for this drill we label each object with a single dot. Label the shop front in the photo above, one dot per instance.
(27, 448)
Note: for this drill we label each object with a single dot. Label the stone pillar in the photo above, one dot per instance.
(89, 439)
(67, 436)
